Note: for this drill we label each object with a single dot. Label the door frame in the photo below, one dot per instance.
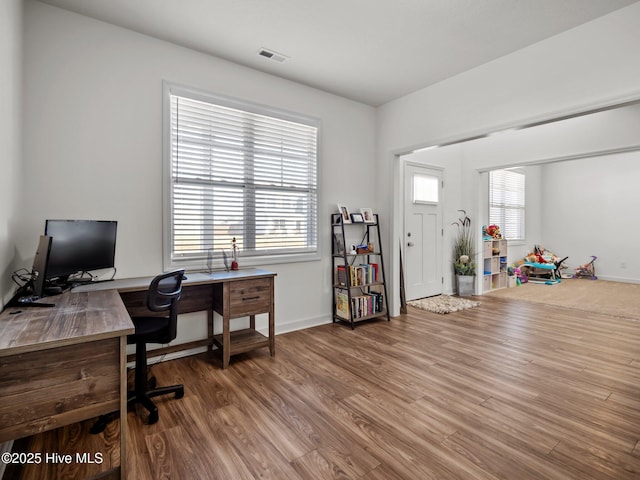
(412, 163)
(397, 221)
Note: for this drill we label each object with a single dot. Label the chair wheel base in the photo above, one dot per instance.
(153, 418)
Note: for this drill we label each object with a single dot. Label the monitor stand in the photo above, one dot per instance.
(30, 301)
(25, 298)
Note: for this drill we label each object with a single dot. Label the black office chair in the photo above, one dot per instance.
(163, 296)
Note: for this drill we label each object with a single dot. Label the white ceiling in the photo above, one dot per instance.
(371, 51)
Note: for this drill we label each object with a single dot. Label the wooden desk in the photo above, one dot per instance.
(64, 364)
(235, 294)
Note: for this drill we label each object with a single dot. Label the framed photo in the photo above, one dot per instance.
(338, 243)
(357, 218)
(344, 213)
(367, 214)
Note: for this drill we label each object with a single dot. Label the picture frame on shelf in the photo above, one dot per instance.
(357, 218)
(338, 243)
(344, 214)
(367, 215)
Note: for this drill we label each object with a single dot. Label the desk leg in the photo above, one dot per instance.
(210, 317)
(123, 408)
(226, 329)
(272, 317)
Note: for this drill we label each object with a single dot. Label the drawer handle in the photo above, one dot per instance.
(244, 299)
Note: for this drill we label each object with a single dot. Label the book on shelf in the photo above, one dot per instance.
(342, 305)
(359, 275)
(367, 304)
(362, 275)
(376, 269)
(378, 300)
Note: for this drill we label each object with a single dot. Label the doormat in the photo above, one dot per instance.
(443, 304)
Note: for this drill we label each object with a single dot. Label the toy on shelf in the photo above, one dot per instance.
(491, 231)
(587, 270)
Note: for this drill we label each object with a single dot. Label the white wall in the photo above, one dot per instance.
(10, 147)
(93, 110)
(594, 64)
(591, 208)
(10, 139)
(604, 131)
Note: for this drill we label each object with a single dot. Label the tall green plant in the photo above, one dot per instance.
(463, 247)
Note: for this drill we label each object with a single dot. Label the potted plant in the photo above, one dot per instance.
(463, 265)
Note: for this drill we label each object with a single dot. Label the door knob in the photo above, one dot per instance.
(409, 244)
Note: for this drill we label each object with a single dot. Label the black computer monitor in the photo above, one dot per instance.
(32, 291)
(80, 246)
(40, 261)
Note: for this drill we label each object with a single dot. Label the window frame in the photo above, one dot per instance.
(522, 208)
(216, 261)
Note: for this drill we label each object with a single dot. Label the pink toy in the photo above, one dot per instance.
(517, 272)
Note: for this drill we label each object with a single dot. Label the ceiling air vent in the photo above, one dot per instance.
(271, 55)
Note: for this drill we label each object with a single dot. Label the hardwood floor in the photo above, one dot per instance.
(507, 390)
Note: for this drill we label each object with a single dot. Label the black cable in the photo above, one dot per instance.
(24, 275)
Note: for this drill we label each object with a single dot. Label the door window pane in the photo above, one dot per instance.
(425, 188)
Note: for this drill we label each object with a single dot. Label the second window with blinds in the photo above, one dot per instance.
(507, 203)
(237, 170)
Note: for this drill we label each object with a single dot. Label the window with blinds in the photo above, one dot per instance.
(507, 203)
(240, 171)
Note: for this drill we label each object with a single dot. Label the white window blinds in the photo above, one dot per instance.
(239, 171)
(507, 203)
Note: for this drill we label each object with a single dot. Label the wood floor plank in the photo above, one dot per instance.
(258, 453)
(506, 390)
(427, 458)
(595, 461)
(504, 462)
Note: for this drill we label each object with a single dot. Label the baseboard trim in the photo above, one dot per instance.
(615, 279)
(281, 328)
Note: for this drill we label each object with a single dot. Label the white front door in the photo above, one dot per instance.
(422, 236)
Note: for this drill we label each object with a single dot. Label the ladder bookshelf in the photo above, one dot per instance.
(358, 276)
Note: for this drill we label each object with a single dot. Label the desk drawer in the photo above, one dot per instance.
(194, 298)
(44, 389)
(250, 297)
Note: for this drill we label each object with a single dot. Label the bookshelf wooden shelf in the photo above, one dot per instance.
(358, 279)
(494, 264)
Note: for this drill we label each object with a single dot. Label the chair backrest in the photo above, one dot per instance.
(163, 295)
